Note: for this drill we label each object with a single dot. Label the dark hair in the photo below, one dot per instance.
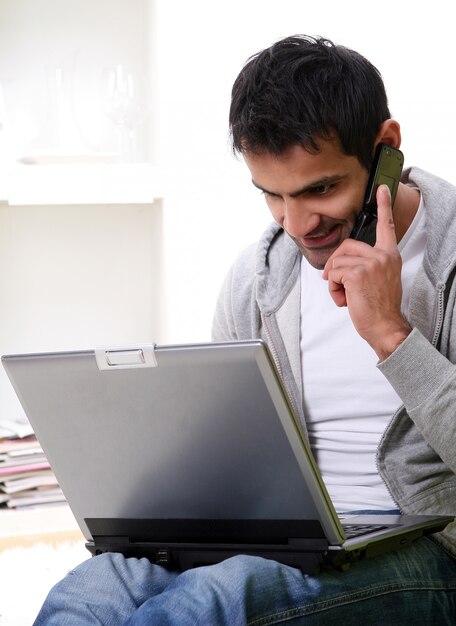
(302, 89)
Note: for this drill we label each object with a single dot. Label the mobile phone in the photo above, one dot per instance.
(386, 169)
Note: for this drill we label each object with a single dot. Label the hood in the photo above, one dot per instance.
(440, 204)
(277, 268)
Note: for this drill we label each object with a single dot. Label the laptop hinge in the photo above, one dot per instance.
(111, 540)
(209, 531)
(309, 544)
(117, 357)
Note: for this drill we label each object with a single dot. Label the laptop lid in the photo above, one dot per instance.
(199, 438)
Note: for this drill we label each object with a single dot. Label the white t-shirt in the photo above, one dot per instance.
(348, 402)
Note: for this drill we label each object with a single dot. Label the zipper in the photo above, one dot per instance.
(271, 344)
(439, 313)
(269, 332)
(399, 410)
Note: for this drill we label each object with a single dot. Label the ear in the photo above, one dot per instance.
(389, 133)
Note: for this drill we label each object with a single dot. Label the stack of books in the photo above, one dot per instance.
(26, 478)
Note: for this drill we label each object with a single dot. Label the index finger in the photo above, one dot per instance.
(386, 232)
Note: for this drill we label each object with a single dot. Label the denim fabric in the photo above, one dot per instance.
(416, 585)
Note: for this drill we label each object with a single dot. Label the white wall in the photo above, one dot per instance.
(74, 277)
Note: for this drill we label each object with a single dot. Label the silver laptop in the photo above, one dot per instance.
(190, 454)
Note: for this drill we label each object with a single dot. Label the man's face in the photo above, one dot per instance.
(314, 197)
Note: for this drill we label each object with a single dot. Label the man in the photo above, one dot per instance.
(365, 339)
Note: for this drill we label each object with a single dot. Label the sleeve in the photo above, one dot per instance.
(425, 380)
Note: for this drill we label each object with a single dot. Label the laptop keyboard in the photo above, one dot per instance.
(355, 530)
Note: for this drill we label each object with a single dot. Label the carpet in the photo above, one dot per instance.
(27, 574)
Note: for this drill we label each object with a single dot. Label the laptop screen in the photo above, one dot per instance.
(202, 431)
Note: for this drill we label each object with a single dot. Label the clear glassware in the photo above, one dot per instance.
(125, 108)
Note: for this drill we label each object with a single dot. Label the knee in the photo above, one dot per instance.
(245, 565)
(99, 565)
(105, 585)
(242, 574)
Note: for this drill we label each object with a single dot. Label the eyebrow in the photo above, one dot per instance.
(326, 180)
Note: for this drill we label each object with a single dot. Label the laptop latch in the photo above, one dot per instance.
(110, 358)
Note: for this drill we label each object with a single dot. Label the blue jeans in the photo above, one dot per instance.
(416, 585)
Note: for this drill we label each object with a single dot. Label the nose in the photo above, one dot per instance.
(298, 220)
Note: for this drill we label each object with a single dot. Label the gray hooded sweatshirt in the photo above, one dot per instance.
(416, 457)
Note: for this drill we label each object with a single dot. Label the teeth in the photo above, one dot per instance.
(319, 236)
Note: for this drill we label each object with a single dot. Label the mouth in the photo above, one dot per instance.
(326, 239)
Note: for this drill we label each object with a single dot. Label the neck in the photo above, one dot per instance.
(405, 208)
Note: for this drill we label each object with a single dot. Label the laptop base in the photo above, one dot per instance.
(181, 557)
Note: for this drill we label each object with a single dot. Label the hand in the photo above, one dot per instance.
(368, 281)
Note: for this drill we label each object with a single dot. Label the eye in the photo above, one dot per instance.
(320, 190)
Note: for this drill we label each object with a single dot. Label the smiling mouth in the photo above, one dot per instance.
(324, 240)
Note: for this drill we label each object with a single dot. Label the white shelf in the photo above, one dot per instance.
(78, 183)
